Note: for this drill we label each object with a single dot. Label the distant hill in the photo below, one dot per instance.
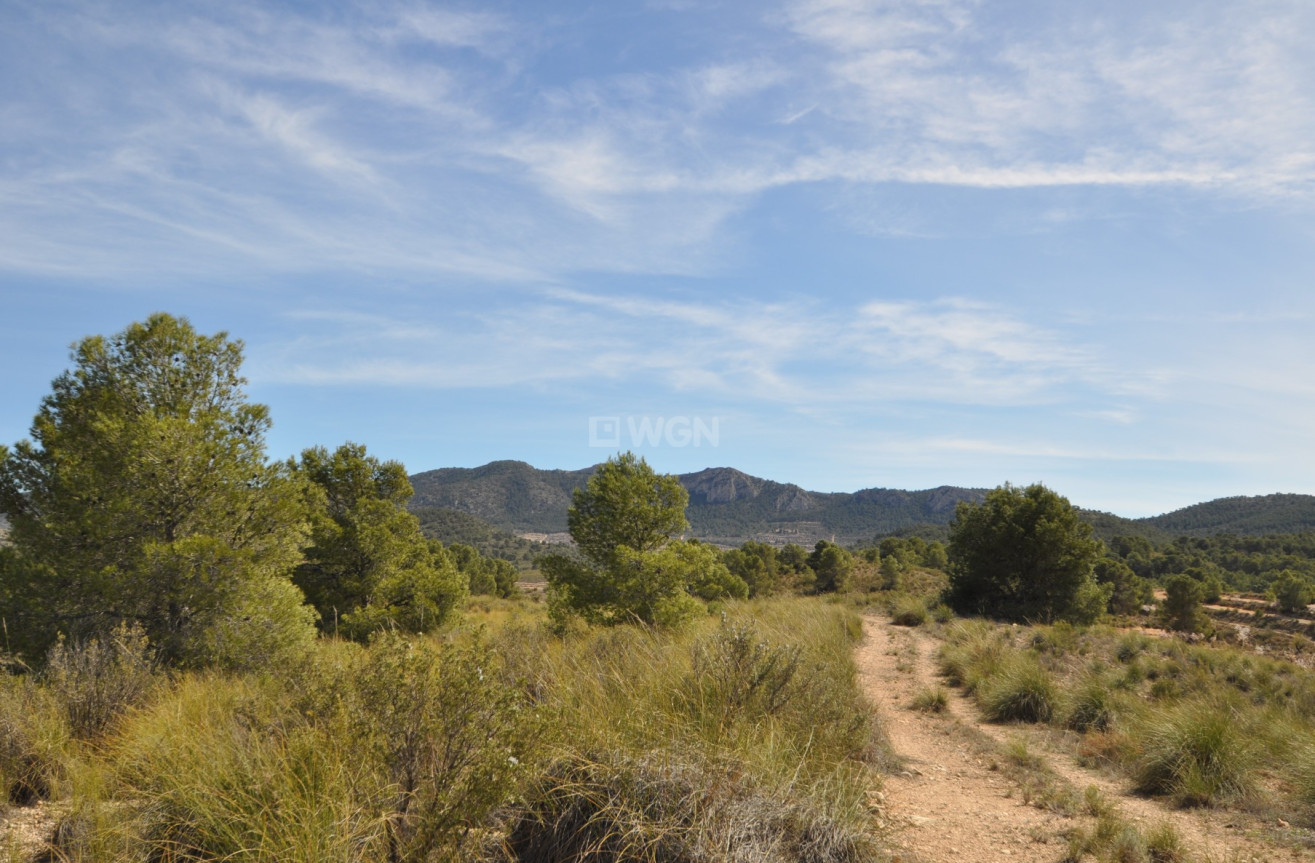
(450, 526)
(511, 495)
(1244, 516)
(728, 506)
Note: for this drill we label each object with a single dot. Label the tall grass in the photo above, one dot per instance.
(1203, 725)
(1196, 751)
(35, 742)
(744, 734)
(747, 731)
(1019, 690)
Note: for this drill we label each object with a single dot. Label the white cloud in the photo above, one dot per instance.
(440, 146)
(950, 351)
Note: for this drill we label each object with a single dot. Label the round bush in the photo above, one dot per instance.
(1021, 691)
(1196, 752)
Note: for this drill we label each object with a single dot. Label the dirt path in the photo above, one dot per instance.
(950, 803)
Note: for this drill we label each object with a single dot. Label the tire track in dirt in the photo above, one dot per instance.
(953, 807)
(947, 803)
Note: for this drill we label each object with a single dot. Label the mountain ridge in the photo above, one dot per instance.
(729, 506)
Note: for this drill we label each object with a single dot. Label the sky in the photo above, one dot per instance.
(839, 243)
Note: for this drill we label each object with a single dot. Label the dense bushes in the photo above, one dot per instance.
(491, 747)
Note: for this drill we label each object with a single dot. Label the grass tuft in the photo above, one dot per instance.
(909, 611)
(1195, 752)
(932, 699)
(1021, 691)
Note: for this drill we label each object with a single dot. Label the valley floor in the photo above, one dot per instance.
(956, 797)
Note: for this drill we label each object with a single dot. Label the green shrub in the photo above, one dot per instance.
(1092, 707)
(396, 752)
(1196, 752)
(1020, 691)
(972, 653)
(737, 674)
(609, 807)
(34, 742)
(1291, 592)
(446, 733)
(909, 611)
(933, 699)
(1131, 645)
(100, 678)
(1181, 607)
(1165, 845)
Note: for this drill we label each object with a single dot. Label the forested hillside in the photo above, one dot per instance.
(450, 526)
(511, 495)
(728, 506)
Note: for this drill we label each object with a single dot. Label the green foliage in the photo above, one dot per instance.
(1022, 554)
(34, 743)
(485, 575)
(395, 752)
(936, 557)
(645, 587)
(1128, 591)
(909, 611)
(1240, 563)
(1092, 706)
(448, 734)
(933, 699)
(756, 564)
(626, 504)
(793, 558)
(737, 674)
(144, 497)
(831, 566)
(1020, 691)
(369, 566)
(1196, 752)
(1181, 607)
(1291, 592)
(99, 680)
(630, 570)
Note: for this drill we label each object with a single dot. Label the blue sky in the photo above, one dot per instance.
(883, 243)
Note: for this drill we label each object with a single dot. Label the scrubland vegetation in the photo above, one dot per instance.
(494, 742)
(208, 655)
(1197, 724)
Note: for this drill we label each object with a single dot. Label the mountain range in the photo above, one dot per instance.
(729, 507)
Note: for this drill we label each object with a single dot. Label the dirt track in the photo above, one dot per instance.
(950, 802)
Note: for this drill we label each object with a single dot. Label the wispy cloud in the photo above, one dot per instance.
(952, 351)
(436, 140)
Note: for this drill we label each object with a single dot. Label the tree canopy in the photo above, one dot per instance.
(629, 567)
(144, 497)
(368, 565)
(1023, 554)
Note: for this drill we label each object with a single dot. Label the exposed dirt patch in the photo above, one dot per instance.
(950, 805)
(947, 804)
(25, 831)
